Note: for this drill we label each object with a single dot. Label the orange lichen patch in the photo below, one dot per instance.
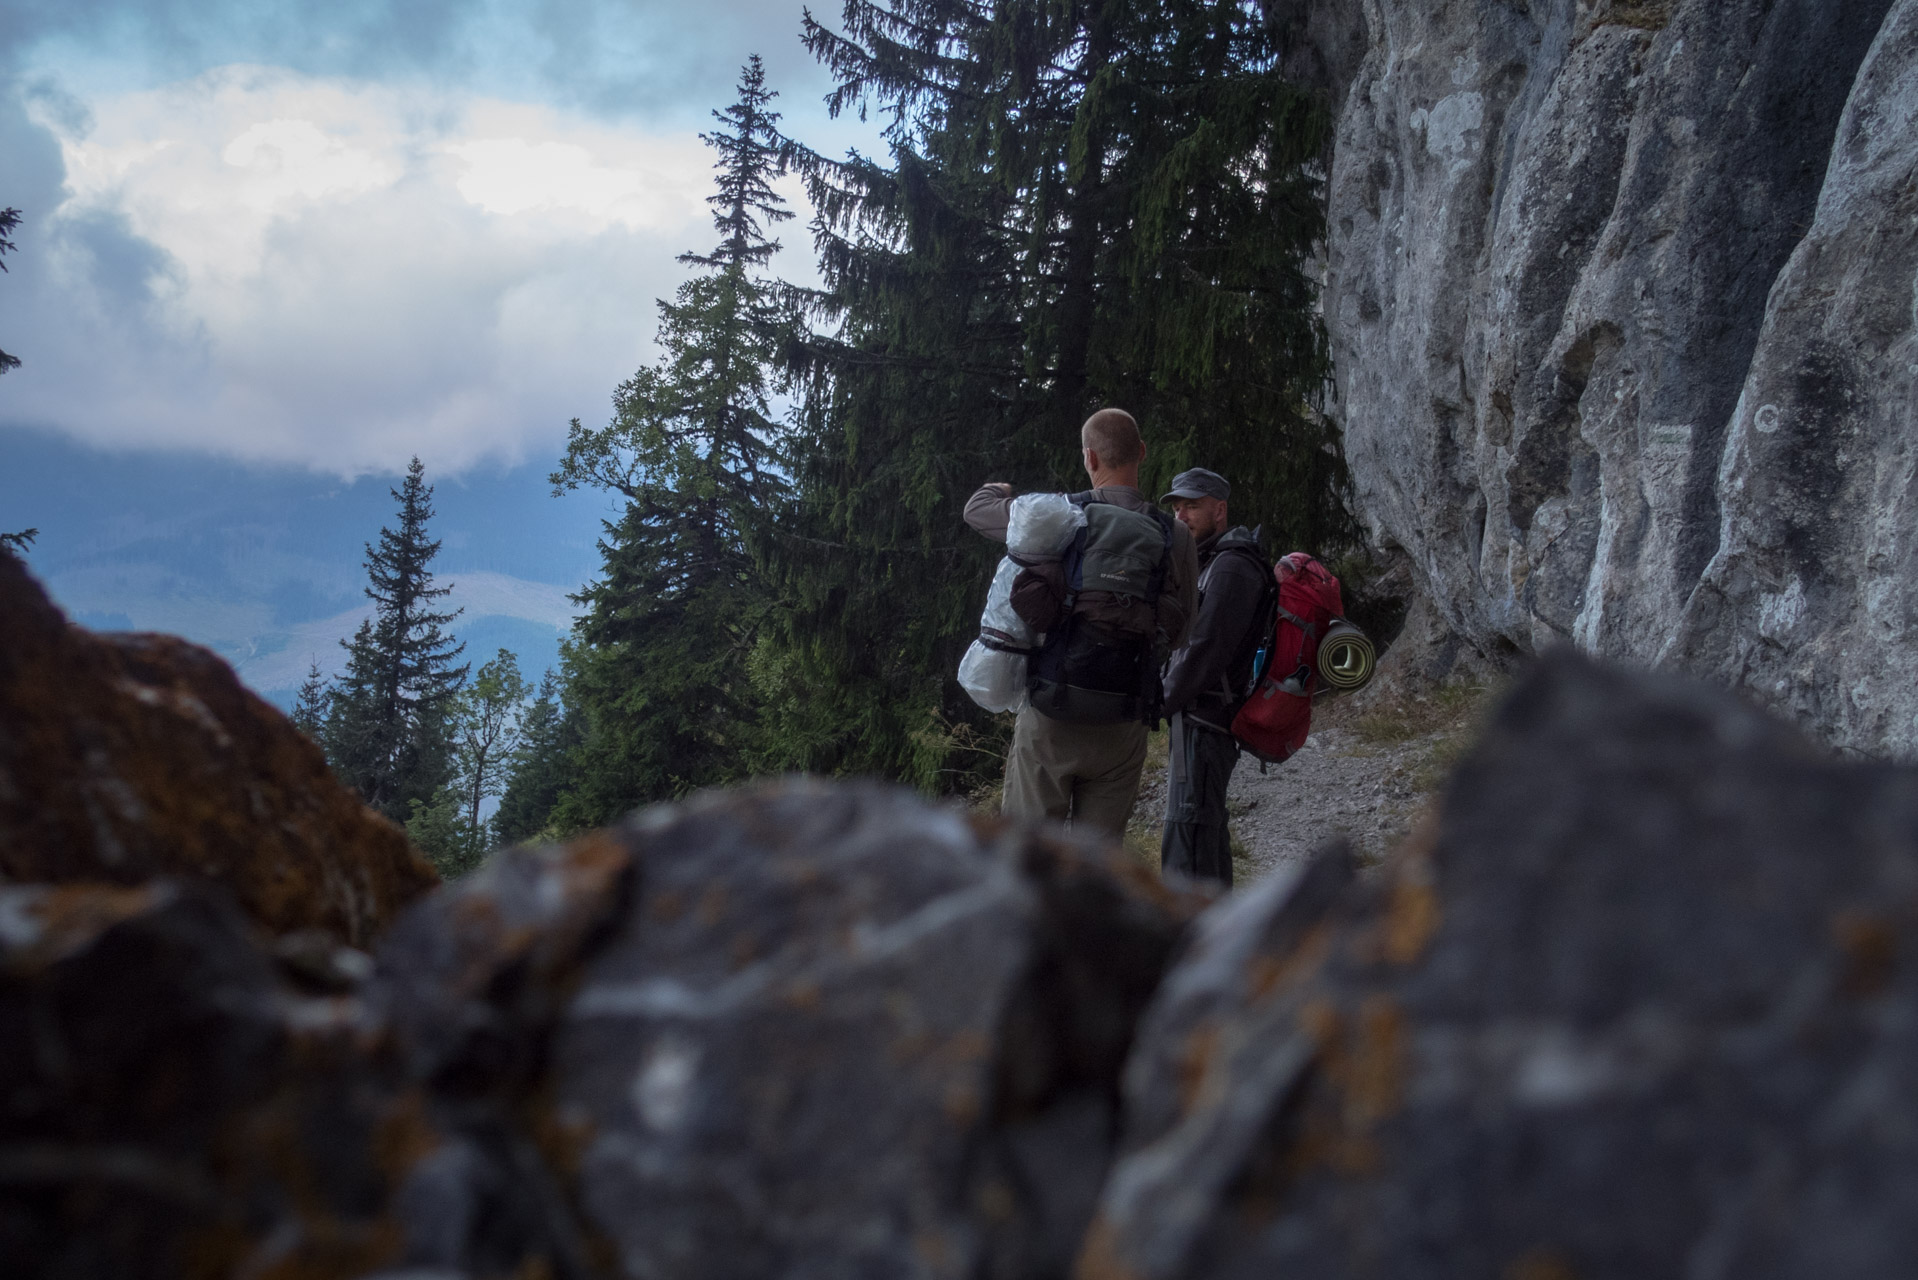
(1327, 1135)
(1870, 947)
(1412, 914)
(803, 994)
(131, 757)
(1263, 974)
(1320, 1020)
(563, 1138)
(1099, 1257)
(269, 1145)
(1375, 1072)
(1540, 1264)
(1362, 1064)
(1269, 973)
(1195, 1059)
(478, 915)
(712, 906)
(592, 864)
(667, 906)
(70, 916)
(404, 1136)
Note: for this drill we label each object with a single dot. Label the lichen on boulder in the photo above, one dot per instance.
(1638, 1004)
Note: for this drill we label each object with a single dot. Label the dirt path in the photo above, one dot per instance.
(1367, 772)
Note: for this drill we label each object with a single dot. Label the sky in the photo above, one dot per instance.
(271, 251)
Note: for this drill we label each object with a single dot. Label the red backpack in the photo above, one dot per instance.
(1275, 719)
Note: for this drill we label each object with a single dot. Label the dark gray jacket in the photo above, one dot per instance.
(1208, 677)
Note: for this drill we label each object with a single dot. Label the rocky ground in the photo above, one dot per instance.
(1371, 767)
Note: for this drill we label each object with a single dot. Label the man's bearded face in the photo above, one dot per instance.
(1204, 516)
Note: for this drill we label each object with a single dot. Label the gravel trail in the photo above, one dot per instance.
(1368, 771)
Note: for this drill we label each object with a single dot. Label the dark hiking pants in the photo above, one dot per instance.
(1200, 765)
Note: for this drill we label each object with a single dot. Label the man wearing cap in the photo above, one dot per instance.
(1207, 680)
(1088, 774)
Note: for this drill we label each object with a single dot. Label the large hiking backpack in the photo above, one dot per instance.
(1100, 609)
(1237, 542)
(1274, 720)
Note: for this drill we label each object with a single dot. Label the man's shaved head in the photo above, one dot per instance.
(1114, 436)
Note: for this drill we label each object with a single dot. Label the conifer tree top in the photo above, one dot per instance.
(751, 151)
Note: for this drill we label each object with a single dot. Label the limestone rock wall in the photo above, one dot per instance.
(1623, 339)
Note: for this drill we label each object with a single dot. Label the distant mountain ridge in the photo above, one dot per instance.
(263, 565)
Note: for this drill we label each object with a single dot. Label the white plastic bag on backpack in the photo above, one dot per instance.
(999, 615)
(993, 678)
(1043, 524)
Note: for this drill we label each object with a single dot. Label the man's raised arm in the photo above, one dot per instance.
(989, 511)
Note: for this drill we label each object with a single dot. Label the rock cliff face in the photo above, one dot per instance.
(1620, 295)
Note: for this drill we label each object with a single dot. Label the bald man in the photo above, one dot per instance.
(1087, 774)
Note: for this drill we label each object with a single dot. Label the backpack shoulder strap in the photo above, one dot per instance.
(1311, 631)
(1166, 528)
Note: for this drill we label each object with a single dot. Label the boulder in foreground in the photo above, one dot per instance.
(1640, 1006)
(802, 1029)
(129, 757)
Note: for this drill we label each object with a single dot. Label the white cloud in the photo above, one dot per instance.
(340, 275)
(484, 594)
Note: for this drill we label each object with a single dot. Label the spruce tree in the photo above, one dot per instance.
(1103, 202)
(658, 664)
(541, 767)
(309, 707)
(439, 829)
(387, 731)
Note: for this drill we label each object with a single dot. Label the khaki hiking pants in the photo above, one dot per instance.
(1085, 774)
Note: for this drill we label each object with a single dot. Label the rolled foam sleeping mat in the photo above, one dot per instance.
(1346, 656)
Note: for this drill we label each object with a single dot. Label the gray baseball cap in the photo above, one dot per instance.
(1198, 483)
